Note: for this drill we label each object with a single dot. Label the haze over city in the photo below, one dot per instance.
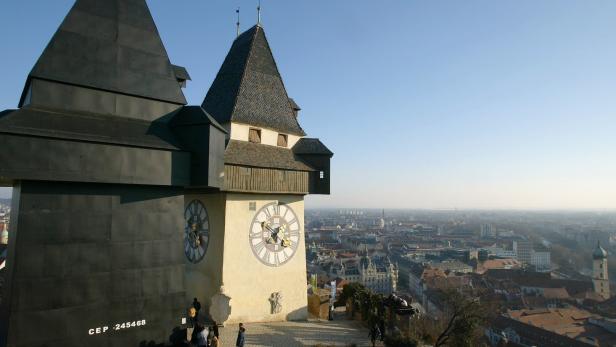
(439, 105)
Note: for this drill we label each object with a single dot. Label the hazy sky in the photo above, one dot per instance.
(426, 104)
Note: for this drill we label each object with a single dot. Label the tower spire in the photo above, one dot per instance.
(238, 22)
(259, 13)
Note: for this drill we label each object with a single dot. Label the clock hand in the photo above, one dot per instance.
(273, 233)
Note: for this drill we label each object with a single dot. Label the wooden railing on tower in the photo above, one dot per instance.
(262, 180)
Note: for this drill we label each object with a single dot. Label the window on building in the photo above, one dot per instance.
(282, 140)
(254, 135)
(321, 174)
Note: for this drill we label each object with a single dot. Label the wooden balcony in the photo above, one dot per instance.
(261, 180)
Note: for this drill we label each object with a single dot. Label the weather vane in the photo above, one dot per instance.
(238, 22)
(259, 13)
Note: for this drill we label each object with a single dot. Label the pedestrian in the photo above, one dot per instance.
(240, 336)
(199, 338)
(197, 305)
(191, 324)
(374, 334)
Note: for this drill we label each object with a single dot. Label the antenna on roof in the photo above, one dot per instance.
(238, 22)
(259, 13)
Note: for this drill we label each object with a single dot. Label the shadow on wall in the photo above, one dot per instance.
(300, 314)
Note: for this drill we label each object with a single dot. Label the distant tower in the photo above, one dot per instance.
(382, 220)
(599, 272)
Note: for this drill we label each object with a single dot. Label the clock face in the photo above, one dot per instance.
(196, 231)
(274, 234)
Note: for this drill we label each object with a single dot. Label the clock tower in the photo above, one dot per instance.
(600, 280)
(252, 242)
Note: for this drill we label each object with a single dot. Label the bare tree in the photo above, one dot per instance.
(463, 316)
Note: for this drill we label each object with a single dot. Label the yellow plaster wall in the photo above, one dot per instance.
(269, 137)
(249, 282)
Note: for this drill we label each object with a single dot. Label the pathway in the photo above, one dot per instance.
(311, 333)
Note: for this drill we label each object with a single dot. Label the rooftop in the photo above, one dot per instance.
(570, 322)
(112, 46)
(248, 88)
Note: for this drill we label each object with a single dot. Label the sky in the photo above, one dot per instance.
(443, 104)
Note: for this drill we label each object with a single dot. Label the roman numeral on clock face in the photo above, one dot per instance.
(267, 212)
(274, 234)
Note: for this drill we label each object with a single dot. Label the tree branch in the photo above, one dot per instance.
(445, 334)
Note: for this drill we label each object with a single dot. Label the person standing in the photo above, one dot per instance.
(191, 324)
(374, 334)
(197, 305)
(199, 338)
(240, 336)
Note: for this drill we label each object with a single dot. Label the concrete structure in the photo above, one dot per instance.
(487, 230)
(500, 252)
(541, 260)
(601, 283)
(523, 249)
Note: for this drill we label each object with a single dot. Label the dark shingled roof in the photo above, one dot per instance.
(111, 45)
(258, 155)
(311, 146)
(194, 115)
(87, 127)
(294, 105)
(181, 73)
(248, 88)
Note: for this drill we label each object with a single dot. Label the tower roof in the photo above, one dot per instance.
(248, 88)
(599, 252)
(112, 45)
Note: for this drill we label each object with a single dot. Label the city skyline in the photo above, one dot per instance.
(476, 105)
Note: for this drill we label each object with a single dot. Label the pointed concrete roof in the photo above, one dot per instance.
(248, 88)
(112, 45)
